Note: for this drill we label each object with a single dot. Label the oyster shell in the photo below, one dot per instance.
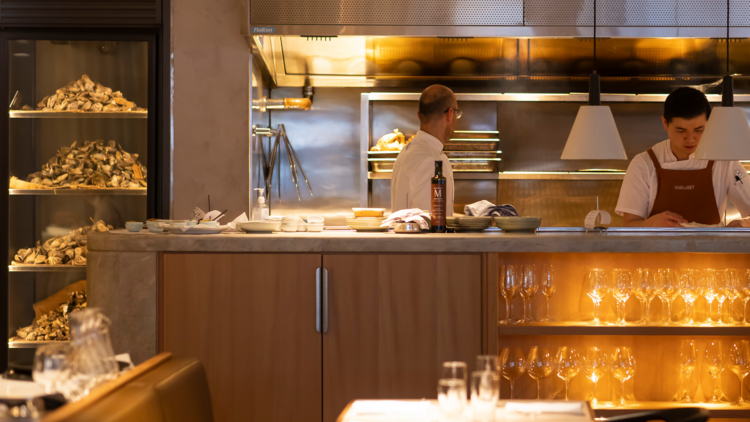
(61, 250)
(88, 96)
(54, 325)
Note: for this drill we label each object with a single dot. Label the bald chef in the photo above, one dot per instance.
(666, 186)
(415, 165)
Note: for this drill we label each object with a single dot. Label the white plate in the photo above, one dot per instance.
(196, 230)
(259, 226)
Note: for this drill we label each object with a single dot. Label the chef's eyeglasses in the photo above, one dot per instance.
(459, 113)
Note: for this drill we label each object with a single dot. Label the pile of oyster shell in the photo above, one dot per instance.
(54, 326)
(60, 250)
(86, 95)
(92, 165)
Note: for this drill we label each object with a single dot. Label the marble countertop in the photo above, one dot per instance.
(349, 241)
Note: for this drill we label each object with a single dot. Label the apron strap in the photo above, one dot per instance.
(710, 166)
(653, 158)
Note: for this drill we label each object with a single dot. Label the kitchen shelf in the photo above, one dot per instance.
(522, 176)
(44, 268)
(83, 191)
(572, 97)
(30, 344)
(582, 329)
(38, 114)
(716, 410)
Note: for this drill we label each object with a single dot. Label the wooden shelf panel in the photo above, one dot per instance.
(716, 410)
(581, 329)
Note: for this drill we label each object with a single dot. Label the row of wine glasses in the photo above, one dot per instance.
(567, 363)
(715, 361)
(666, 284)
(525, 280)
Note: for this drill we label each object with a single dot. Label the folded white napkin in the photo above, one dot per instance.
(694, 224)
(414, 215)
(242, 218)
(486, 208)
(544, 407)
(393, 409)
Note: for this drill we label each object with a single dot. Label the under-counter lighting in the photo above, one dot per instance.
(475, 139)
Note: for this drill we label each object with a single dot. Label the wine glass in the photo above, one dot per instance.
(732, 290)
(713, 360)
(597, 288)
(710, 288)
(689, 290)
(539, 365)
(568, 363)
(739, 363)
(744, 291)
(623, 368)
(622, 289)
(548, 284)
(595, 367)
(509, 286)
(645, 290)
(513, 367)
(688, 364)
(485, 386)
(529, 287)
(49, 362)
(669, 288)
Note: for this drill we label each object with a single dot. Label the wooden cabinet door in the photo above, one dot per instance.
(250, 319)
(393, 320)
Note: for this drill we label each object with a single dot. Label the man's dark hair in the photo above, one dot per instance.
(434, 101)
(686, 103)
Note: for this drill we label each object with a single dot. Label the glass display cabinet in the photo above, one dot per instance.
(80, 139)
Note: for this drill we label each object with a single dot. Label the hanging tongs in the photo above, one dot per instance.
(269, 161)
(294, 162)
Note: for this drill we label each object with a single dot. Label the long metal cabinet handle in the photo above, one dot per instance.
(325, 300)
(318, 294)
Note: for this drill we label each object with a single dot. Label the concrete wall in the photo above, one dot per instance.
(211, 107)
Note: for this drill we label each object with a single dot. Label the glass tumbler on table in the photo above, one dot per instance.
(452, 397)
(488, 363)
(49, 363)
(623, 368)
(548, 284)
(539, 365)
(568, 363)
(529, 286)
(739, 363)
(688, 361)
(669, 289)
(485, 387)
(512, 367)
(454, 369)
(713, 362)
(509, 286)
(622, 289)
(596, 285)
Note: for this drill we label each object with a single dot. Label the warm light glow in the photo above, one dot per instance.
(726, 137)
(594, 136)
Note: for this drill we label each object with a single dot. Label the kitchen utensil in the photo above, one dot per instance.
(259, 226)
(220, 215)
(407, 228)
(518, 223)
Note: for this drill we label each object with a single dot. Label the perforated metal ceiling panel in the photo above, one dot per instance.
(387, 12)
(559, 12)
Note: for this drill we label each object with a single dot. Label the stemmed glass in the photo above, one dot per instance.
(540, 366)
(49, 362)
(529, 287)
(595, 367)
(739, 363)
(548, 288)
(710, 289)
(744, 291)
(713, 361)
(568, 363)
(645, 291)
(513, 367)
(688, 364)
(597, 288)
(623, 368)
(509, 286)
(689, 290)
(669, 288)
(732, 290)
(723, 286)
(622, 289)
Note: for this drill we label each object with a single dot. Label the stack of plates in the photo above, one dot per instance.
(469, 224)
(510, 224)
(366, 224)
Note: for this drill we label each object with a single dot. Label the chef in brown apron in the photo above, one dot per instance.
(666, 187)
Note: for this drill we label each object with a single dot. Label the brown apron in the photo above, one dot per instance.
(689, 193)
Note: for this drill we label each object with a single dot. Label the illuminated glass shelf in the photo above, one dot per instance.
(30, 344)
(585, 329)
(716, 410)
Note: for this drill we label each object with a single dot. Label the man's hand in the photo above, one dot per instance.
(739, 223)
(665, 219)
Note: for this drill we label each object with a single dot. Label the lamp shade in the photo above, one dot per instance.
(726, 137)
(594, 136)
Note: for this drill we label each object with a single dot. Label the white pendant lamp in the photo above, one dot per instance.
(594, 135)
(727, 133)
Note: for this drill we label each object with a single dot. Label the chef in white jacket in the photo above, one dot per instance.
(415, 165)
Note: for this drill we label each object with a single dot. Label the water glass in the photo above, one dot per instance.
(454, 370)
(485, 391)
(452, 397)
(49, 363)
(488, 363)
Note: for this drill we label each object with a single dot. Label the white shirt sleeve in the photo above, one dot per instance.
(739, 188)
(420, 185)
(635, 192)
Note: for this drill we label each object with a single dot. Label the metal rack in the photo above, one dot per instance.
(38, 114)
(45, 268)
(69, 192)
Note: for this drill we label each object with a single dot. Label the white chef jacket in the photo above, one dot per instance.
(415, 166)
(638, 192)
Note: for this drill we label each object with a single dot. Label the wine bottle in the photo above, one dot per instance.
(437, 214)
